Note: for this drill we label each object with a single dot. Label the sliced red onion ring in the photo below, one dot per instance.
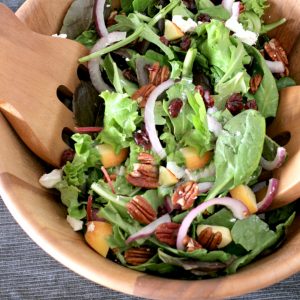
(239, 210)
(213, 125)
(93, 64)
(275, 66)
(277, 162)
(168, 204)
(150, 119)
(149, 229)
(268, 199)
(227, 4)
(99, 17)
(205, 187)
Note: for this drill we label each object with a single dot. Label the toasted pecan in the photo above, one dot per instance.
(138, 256)
(185, 195)
(210, 240)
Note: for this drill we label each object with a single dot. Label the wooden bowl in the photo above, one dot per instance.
(41, 215)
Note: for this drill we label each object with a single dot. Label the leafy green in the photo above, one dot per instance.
(140, 5)
(182, 10)
(127, 5)
(204, 4)
(238, 151)
(261, 239)
(270, 149)
(78, 18)
(223, 217)
(257, 6)
(88, 38)
(176, 70)
(226, 57)
(268, 27)
(187, 69)
(153, 198)
(250, 21)
(277, 216)
(285, 82)
(216, 12)
(267, 94)
(120, 120)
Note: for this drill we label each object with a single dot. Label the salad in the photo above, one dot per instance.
(170, 168)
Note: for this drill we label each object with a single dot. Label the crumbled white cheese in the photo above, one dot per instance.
(75, 224)
(246, 36)
(62, 35)
(184, 25)
(91, 227)
(51, 179)
(175, 169)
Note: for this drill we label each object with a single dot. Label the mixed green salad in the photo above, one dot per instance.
(170, 168)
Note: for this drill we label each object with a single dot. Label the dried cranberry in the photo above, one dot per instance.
(175, 107)
(199, 89)
(67, 155)
(204, 18)
(191, 5)
(130, 75)
(142, 139)
(185, 43)
(251, 104)
(164, 40)
(235, 104)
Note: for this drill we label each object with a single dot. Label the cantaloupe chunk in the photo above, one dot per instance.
(246, 195)
(166, 177)
(226, 235)
(172, 31)
(108, 156)
(96, 236)
(193, 160)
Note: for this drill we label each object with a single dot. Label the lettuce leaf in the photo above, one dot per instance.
(120, 120)
(257, 6)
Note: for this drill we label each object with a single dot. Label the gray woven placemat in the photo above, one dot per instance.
(28, 273)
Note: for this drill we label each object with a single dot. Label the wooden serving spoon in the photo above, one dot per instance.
(33, 66)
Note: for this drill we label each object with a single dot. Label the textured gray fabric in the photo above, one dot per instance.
(28, 273)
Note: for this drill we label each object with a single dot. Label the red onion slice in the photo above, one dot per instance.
(275, 66)
(93, 64)
(150, 119)
(239, 210)
(205, 187)
(149, 229)
(268, 199)
(108, 179)
(168, 204)
(277, 162)
(227, 4)
(99, 17)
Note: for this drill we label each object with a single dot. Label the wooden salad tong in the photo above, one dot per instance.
(32, 68)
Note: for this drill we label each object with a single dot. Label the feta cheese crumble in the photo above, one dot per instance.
(51, 179)
(184, 25)
(62, 35)
(75, 224)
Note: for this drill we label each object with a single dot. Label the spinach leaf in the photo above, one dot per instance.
(267, 94)
(216, 12)
(285, 82)
(267, 240)
(204, 4)
(140, 5)
(88, 38)
(238, 151)
(127, 6)
(223, 217)
(270, 149)
(78, 19)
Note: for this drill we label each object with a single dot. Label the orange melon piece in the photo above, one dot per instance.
(193, 160)
(246, 195)
(108, 156)
(96, 236)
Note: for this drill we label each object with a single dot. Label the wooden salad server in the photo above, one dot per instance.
(32, 68)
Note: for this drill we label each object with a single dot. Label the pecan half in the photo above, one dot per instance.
(157, 74)
(145, 173)
(185, 195)
(255, 83)
(277, 53)
(191, 244)
(142, 94)
(138, 256)
(141, 210)
(167, 233)
(210, 240)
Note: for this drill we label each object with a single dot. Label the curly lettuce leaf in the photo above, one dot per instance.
(120, 120)
(257, 6)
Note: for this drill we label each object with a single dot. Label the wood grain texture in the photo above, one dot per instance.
(33, 66)
(40, 214)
